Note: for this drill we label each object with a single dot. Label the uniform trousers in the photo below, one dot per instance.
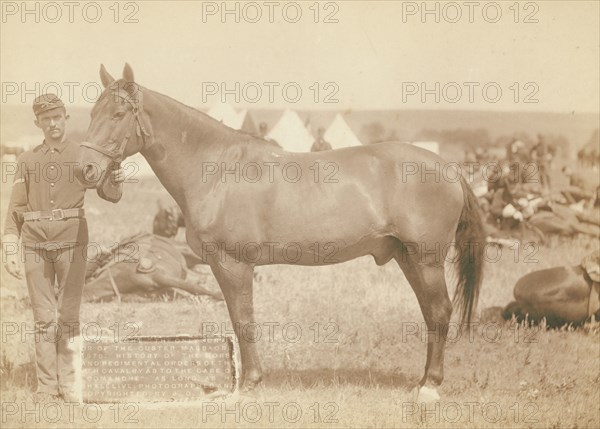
(55, 279)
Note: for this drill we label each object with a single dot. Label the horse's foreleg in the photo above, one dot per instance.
(429, 285)
(235, 280)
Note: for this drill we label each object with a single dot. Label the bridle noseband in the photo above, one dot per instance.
(116, 155)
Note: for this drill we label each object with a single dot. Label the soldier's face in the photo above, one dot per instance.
(52, 123)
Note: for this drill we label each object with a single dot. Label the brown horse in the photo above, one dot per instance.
(144, 264)
(247, 204)
(561, 295)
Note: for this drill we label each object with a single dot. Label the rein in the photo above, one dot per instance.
(116, 155)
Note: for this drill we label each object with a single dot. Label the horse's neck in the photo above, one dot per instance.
(182, 140)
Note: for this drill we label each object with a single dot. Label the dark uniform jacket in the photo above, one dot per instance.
(45, 180)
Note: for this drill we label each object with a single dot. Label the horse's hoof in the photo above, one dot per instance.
(427, 395)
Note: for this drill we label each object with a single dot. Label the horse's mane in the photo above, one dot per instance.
(195, 112)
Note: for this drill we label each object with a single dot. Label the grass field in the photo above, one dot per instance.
(356, 353)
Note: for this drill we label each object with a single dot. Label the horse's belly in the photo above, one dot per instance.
(300, 252)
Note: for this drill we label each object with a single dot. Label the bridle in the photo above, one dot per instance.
(116, 154)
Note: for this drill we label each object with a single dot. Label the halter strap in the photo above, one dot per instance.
(116, 155)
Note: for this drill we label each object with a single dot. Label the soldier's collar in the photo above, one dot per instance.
(58, 147)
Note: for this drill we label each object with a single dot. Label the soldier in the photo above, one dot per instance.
(46, 212)
(541, 156)
(263, 130)
(320, 144)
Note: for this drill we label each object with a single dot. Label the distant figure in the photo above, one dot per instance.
(263, 130)
(518, 158)
(515, 151)
(541, 156)
(320, 144)
(470, 156)
(503, 204)
(580, 187)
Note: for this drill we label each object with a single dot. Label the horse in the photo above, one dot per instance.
(248, 204)
(143, 264)
(561, 295)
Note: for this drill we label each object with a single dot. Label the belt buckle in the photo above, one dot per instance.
(59, 216)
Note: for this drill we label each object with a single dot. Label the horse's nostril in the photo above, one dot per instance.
(90, 173)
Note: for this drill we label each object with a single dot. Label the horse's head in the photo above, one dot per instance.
(119, 128)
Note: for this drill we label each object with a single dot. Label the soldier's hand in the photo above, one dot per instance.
(11, 253)
(117, 175)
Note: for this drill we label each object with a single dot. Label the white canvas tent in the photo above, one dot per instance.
(291, 134)
(227, 115)
(340, 135)
(430, 146)
(246, 122)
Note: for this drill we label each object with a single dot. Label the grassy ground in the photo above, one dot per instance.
(345, 350)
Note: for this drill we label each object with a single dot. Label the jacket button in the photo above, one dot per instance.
(51, 201)
(52, 184)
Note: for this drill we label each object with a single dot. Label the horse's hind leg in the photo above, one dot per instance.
(426, 277)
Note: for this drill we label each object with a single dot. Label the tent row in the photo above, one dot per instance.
(289, 131)
(292, 133)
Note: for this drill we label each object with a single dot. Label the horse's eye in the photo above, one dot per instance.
(119, 115)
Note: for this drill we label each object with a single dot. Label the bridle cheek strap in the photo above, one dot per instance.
(116, 155)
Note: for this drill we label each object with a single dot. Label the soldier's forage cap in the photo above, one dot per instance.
(46, 102)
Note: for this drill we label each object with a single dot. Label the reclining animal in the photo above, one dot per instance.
(144, 264)
(561, 295)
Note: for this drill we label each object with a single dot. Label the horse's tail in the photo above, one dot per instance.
(470, 239)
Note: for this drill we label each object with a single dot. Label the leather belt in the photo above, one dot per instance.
(56, 214)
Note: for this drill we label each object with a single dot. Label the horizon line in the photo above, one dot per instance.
(352, 109)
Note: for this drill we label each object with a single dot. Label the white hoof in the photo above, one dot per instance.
(428, 395)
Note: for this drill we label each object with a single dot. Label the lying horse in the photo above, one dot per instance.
(248, 204)
(561, 295)
(144, 264)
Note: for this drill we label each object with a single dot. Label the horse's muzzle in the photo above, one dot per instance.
(89, 170)
(91, 173)
(88, 174)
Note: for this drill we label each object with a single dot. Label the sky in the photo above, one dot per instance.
(358, 55)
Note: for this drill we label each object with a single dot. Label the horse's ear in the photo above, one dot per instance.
(106, 78)
(130, 85)
(128, 73)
